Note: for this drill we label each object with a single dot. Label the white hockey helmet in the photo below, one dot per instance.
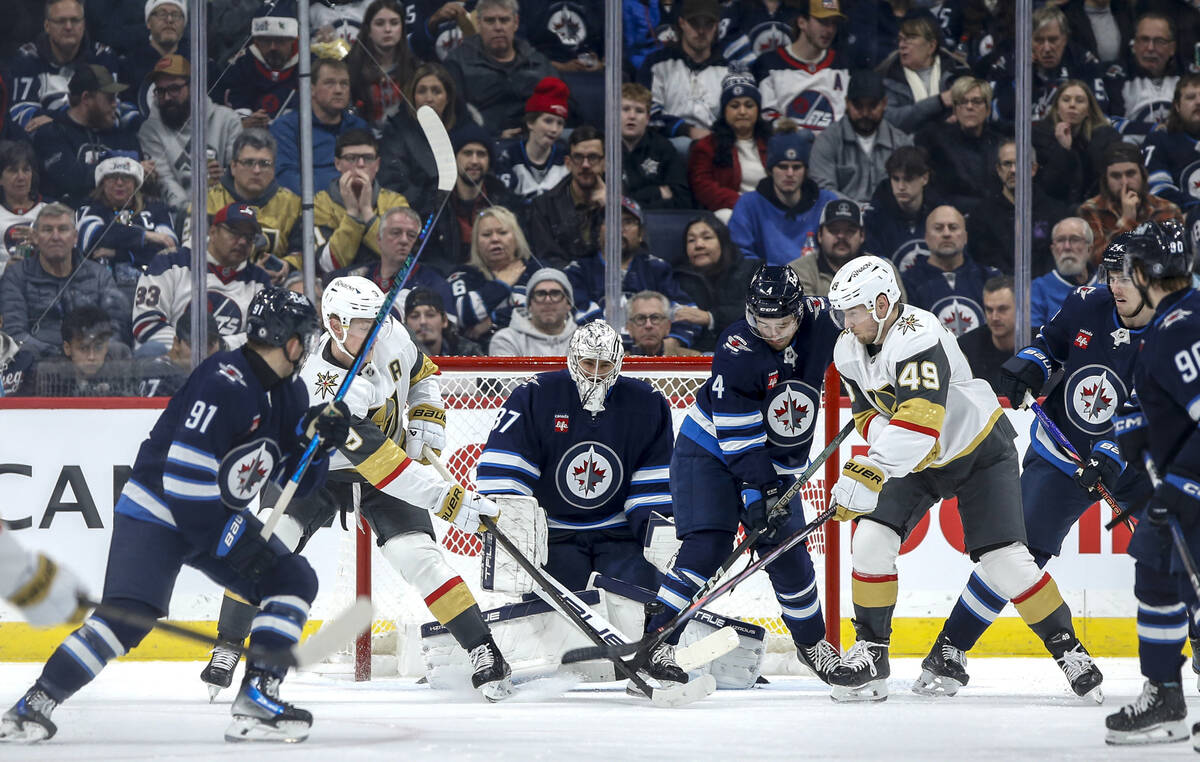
(347, 298)
(600, 342)
(859, 283)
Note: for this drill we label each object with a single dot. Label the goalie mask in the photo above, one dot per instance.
(347, 298)
(599, 345)
(860, 283)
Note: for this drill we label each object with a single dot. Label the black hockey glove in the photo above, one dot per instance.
(1026, 371)
(1105, 465)
(1129, 424)
(1177, 495)
(329, 421)
(759, 501)
(243, 547)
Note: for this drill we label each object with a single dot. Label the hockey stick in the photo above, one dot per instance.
(713, 588)
(443, 154)
(334, 634)
(1063, 442)
(1181, 546)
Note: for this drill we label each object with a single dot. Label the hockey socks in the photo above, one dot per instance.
(233, 625)
(1161, 631)
(977, 607)
(1043, 609)
(84, 653)
(874, 603)
(277, 626)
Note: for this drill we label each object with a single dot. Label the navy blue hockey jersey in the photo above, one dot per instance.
(758, 410)
(587, 472)
(1173, 161)
(1167, 379)
(956, 297)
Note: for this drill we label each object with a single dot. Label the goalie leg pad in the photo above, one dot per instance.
(699, 557)
(523, 522)
(418, 559)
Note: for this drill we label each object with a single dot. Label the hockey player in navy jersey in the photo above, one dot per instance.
(1163, 427)
(1090, 347)
(744, 440)
(241, 419)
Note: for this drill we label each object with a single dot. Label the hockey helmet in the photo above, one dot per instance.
(1113, 258)
(596, 341)
(1160, 247)
(347, 298)
(277, 314)
(859, 283)
(774, 293)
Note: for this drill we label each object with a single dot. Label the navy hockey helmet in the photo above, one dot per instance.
(1161, 249)
(277, 314)
(1113, 258)
(775, 292)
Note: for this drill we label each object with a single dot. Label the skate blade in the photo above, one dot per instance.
(26, 733)
(213, 690)
(680, 694)
(1163, 732)
(876, 690)
(929, 684)
(498, 690)
(253, 729)
(1095, 694)
(707, 649)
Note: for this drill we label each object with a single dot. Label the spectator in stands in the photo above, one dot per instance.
(164, 290)
(641, 22)
(42, 69)
(895, 219)
(120, 24)
(1102, 27)
(849, 157)
(948, 282)
(119, 227)
(165, 20)
(715, 278)
(773, 222)
(571, 35)
(166, 136)
(543, 327)
(918, 76)
(495, 71)
(262, 82)
(380, 62)
(753, 28)
(408, 166)
(1124, 200)
(331, 116)
(647, 324)
(36, 292)
(1072, 249)
(17, 367)
(962, 152)
(640, 270)
(20, 200)
(493, 282)
(163, 375)
(76, 140)
(806, 81)
(685, 77)
(654, 173)
(1144, 99)
(732, 160)
(1170, 153)
(91, 366)
(533, 163)
(840, 239)
(1071, 141)
(992, 227)
(347, 212)
(425, 316)
(564, 222)
(988, 347)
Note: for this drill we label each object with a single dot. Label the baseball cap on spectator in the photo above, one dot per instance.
(91, 78)
(842, 209)
(825, 9)
(739, 84)
(153, 5)
(549, 273)
(183, 327)
(173, 65)
(120, 164)
(550, 97)
(471, 133)
(789, 143)
(865, 85)
(697, 8)
(633, 207)
(238, 215)
(275, 26)
(424, 297)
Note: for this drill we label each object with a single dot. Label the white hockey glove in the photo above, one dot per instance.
(523, 522)
(46, 593)
(426, 426)
(464, 508)
(857, 489)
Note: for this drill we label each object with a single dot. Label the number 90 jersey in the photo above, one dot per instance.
(915, 400)
(1167, 380)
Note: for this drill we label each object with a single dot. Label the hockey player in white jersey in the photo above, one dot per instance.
(384, 456)
(934, 432)
(44, 592)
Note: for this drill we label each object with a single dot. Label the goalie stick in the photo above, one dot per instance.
(714, 588)
(443, 154)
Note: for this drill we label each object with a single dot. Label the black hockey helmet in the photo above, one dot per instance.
(775, 292)
(1113, 258)
(277, 314)
(1160, 247)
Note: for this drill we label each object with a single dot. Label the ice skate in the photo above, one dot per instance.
(825, 661)
(1078, 665)
(867, 673)
(660, 668)
(492, 673)
(943, 671)
(219, 672)
(1156, 716)
(29, 719)
(259, 714)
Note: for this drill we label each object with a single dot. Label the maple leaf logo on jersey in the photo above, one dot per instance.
(791, 415)
(326, 383)
(907, 323)
(250, 474)
(589, 475)
(1095, 402)
(231, 373)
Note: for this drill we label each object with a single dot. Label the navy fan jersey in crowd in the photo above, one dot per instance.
(758, 409)
(588, 472)
(230, 428)
(1173, 161)
(956, 297)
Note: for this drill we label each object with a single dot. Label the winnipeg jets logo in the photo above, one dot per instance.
(250, 474)
(735, 344)
(958, 314)
(1083, 291)
(568, 27)
(1092, 395)
(909, 253)
(588, 475)
(245, 470)
(232, 373)
(790, 413)
(1175, 317)
(327, 384)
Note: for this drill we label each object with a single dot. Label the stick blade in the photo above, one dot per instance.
(709, 648)
(335, 634)
(684, 693)
(439, 143)
(592, 653)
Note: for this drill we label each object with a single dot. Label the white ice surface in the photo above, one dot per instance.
(1013, 709)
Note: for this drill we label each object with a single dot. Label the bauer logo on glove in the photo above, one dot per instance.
(857, 490)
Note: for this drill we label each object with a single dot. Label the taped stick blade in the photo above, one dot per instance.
(335, 634)
(439, 143)
(709, 648)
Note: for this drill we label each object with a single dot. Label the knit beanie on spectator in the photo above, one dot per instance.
(1120, 152)
(423, 297)
(550, 273)
(739, 84)
(153, 5)
(550, 97)
(789, 143)
(471, 133)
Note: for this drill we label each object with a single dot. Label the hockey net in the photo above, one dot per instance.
(474, 389)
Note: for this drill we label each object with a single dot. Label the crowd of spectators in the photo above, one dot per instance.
(793, 132)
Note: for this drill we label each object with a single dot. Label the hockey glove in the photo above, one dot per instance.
(1129, 424)
(857, 490)
(1177, 496)
(243, 548)
(426, 426)
(1105, 465)
(464, 508)
(1026, 371)
(759, 502)
(50, 594)
(331, 422)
